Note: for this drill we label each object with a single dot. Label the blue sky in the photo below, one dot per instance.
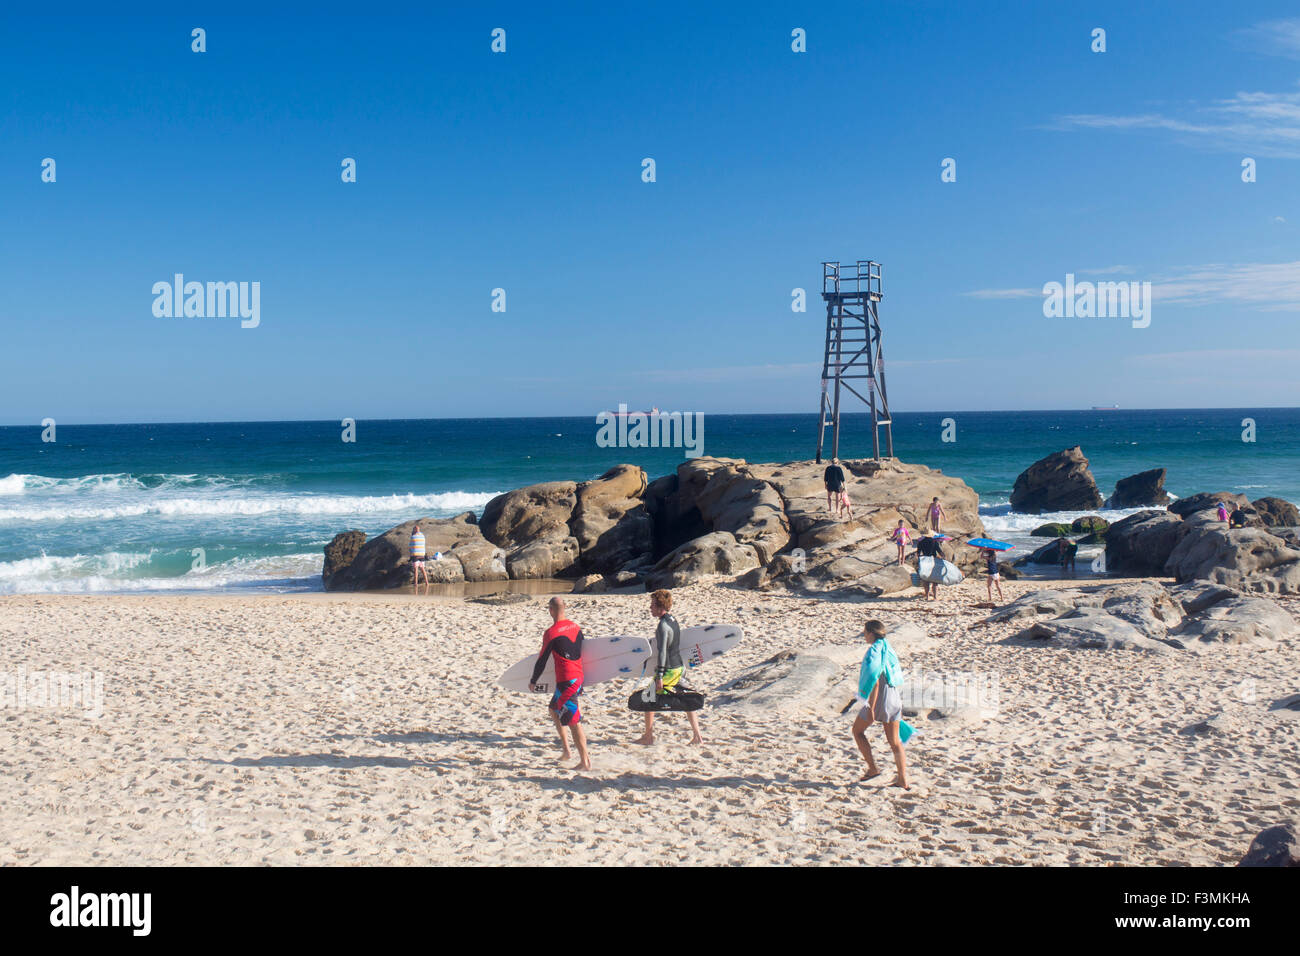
(522, 171)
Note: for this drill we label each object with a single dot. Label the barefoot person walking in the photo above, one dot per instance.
(563, 641)
(902, 536)
(937, 514)
(833, 478)
(878, 683)
(668, 662)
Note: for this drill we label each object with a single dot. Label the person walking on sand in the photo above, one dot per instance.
(879, 681)
(563, 641)
(937, 514)
(833, 478)
(902, 536)
(668, 662)
(995, 576)
(418, 555)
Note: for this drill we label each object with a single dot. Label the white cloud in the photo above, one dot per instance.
(1279, 37)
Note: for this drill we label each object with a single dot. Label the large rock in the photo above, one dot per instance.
(1239, 620)
(734, 500)
(710, 557)
(1049, 602)
(1059, 482)
(1208, 501)
(1049, 553)
(532, 526)
(339, 553)
(1248, 559)
(383, 561)
(1140, 490)
(1277, 512)
(1147, 606)
(1142, 542)
(1095, 629)
(610, 521)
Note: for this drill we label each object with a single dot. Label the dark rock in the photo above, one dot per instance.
(1136, 491)
(1059, 482)
(1276, 846)
(501, 598)
(1142, 543)
(339, 553)
(1208, 501)
(1089, 523)
(532, 525)
(1277, 512)
(1248, 559)
(1053, 529)
(1049, 553)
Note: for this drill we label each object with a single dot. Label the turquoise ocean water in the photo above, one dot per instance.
(124, 507)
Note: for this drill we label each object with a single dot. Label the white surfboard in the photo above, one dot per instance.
(938, 571)
(603, 659)
(699, 645)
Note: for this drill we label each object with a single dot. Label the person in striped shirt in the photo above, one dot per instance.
(418, 554)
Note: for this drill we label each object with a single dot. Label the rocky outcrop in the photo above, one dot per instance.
(1053, 529)
(717, 554)
(1248, 559)
(731, 498)
(1140, 490)
(532, 526)
(1089, 524)
(383, 562)
(1059, 482)
(1276, 512)
(339, 553)
(1142, 543)
(1150, 618)
(1208, 501)
(610, 521)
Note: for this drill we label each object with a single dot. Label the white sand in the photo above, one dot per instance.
(349, 729)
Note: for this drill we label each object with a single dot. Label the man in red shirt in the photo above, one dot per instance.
(563, 641)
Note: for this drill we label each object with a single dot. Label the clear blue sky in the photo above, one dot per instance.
(523, 171)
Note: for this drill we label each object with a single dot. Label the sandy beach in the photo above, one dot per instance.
(366, 729)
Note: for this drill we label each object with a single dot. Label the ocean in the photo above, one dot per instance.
(236, 506)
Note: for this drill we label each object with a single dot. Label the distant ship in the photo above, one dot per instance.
(1104, 408)
(624, 413)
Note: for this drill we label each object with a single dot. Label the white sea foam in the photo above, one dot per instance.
(112, 572)
(442, 503)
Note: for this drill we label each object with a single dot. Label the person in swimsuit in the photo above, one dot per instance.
(418, 554)
(1066, 553)
(668, 662)
(995, 577)
(563, 641)
(834, 481)
(937, 514)
(902, 536)
(882, 702)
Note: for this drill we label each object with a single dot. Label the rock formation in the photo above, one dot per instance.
(1140, 490)
(1059, 482)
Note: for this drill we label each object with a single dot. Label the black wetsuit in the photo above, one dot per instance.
(834, 478)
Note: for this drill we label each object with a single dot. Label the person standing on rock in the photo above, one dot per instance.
(668, 662)
(937, 514)
(418, 554)
(563, 641)
(833, 478)
(902, 536)
(879, 681)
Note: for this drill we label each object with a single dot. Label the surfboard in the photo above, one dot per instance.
(603, 659)
(702, 644)
(990, 543)
(938, 572)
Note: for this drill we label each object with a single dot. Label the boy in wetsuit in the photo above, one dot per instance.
(668, 662)
(563, 640)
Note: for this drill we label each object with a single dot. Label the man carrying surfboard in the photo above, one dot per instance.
(879, 681)
(668, 662)
(563, 640)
